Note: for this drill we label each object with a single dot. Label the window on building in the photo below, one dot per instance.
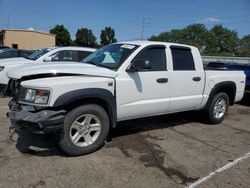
(15, 46)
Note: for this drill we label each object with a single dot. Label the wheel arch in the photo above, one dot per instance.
(228, 87)
(102, 97)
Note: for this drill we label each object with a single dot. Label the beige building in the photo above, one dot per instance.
(26, 39)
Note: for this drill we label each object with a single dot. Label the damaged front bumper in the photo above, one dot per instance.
(44, 121)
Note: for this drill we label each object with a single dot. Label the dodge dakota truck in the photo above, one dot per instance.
(82, 102)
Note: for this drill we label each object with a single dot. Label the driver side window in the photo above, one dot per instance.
(156, 56)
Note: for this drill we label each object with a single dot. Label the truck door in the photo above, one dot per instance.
(145, 93)
(187, 79)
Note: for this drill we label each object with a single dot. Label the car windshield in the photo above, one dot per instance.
(110, 56)
(34, 56)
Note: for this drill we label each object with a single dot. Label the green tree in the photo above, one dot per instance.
(107, 36)
(175, 35)
(217, 41)
(85, 37)
(196, 35)
(62, 35)
(222, 41)
(164, 36)
(244, 46)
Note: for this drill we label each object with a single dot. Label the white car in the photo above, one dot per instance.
(82, 102)
(55, 54)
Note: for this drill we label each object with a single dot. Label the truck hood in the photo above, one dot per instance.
(17, 60)
(60, 68)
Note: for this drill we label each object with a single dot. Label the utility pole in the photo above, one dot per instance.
(142, 28)
(8, 24)
(145, 24)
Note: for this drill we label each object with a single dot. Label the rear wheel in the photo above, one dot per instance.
(85, 130)
(218, 108)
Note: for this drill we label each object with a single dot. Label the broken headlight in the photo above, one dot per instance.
(34, 96)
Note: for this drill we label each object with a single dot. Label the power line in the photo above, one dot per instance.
(174, 21)
(136, 22)
(187, 18)
(158, 25)
(143, 26)
(200, 14)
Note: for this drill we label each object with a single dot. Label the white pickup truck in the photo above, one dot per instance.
(121, 81)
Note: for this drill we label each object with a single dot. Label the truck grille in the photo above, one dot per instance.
(12, 89)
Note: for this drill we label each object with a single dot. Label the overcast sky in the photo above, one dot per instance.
(125, 16)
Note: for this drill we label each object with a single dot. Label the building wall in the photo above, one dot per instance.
(26, 39)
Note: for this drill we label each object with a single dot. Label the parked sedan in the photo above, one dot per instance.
(11, 53)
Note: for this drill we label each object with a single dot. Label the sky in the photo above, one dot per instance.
(126, 17)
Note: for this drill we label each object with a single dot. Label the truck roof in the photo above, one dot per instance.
(146, 43)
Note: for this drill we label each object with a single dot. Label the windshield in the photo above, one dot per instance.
(35, 55)
(110, 56)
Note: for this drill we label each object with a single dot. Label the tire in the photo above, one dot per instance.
(218, 108)
(81, 133)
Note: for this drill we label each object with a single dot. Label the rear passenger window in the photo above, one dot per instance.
(182, 59)
(156, 56)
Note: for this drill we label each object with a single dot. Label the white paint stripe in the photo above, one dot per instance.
(227, 166)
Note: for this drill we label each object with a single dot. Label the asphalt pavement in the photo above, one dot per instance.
(176, 150)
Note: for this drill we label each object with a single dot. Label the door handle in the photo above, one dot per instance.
(162, 80)
(196, 79)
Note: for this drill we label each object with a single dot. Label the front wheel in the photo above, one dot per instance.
(85, 130)
(218, 108)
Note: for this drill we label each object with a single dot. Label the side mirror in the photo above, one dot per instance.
(47, 59)
(140, 65)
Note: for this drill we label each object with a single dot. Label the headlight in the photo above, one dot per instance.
(36, 96)
(1, 68)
